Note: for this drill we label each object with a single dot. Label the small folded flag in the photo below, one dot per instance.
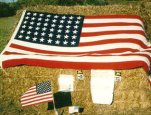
(37, 94)
(61, 99)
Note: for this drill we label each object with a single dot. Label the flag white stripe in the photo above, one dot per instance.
(32, 87)
(111, 20)
(10, 49)
(28, 94)
(113, 36)
(31, 90)
(33, 53)
(32, 96)
(111, 28)
(36, 98)
(49, 99)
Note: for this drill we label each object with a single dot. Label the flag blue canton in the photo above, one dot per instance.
(43, 87)
(51, 29)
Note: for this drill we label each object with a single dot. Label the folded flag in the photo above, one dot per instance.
(78, 42)
(37, 94)
(61, 99)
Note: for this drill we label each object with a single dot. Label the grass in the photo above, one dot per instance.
(131, 96)
(7, 26)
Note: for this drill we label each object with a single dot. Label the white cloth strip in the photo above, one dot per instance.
(49, 99)
(107, 20)
(113, 36)
(111, 28)
(36, 98)
(32, 96)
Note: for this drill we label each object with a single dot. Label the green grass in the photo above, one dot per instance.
(6, 28)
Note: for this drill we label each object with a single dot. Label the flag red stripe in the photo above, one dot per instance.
(88, 34)
(14, 53)
(110, 24)
(76, 65)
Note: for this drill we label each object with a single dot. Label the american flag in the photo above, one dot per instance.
(78, 42)
(37, 94)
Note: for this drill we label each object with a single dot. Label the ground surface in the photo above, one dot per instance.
(131, 96)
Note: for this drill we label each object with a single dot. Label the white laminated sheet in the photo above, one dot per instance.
(102, 86)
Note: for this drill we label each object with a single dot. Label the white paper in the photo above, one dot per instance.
(102, 86)
(73, 109)
(66, 83)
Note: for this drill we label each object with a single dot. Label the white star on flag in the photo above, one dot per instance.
(27, 37)
(49, 40)
(29, 32)
(58, 36)
(64, 17)
(73, 43)
(65, 42)
(34, 14)
(39, 19)
(26, 17)
(30, 27)
(28, 13)
(59, 31)
(22, 31)
(34, 39)
(57, 42)
(51, 30)
(50, 35)
(56, 16)
(61, 21)
(36, 33)
(67, 31)
(37, 28)
(46, 19)
(20, 36)
(43, 34)
(71, 17)
(41, 39)
(66, 36)
(33, 18)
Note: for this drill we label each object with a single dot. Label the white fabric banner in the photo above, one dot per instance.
(102, 86)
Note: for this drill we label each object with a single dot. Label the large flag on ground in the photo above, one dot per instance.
(37, 94)
(78, 42)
